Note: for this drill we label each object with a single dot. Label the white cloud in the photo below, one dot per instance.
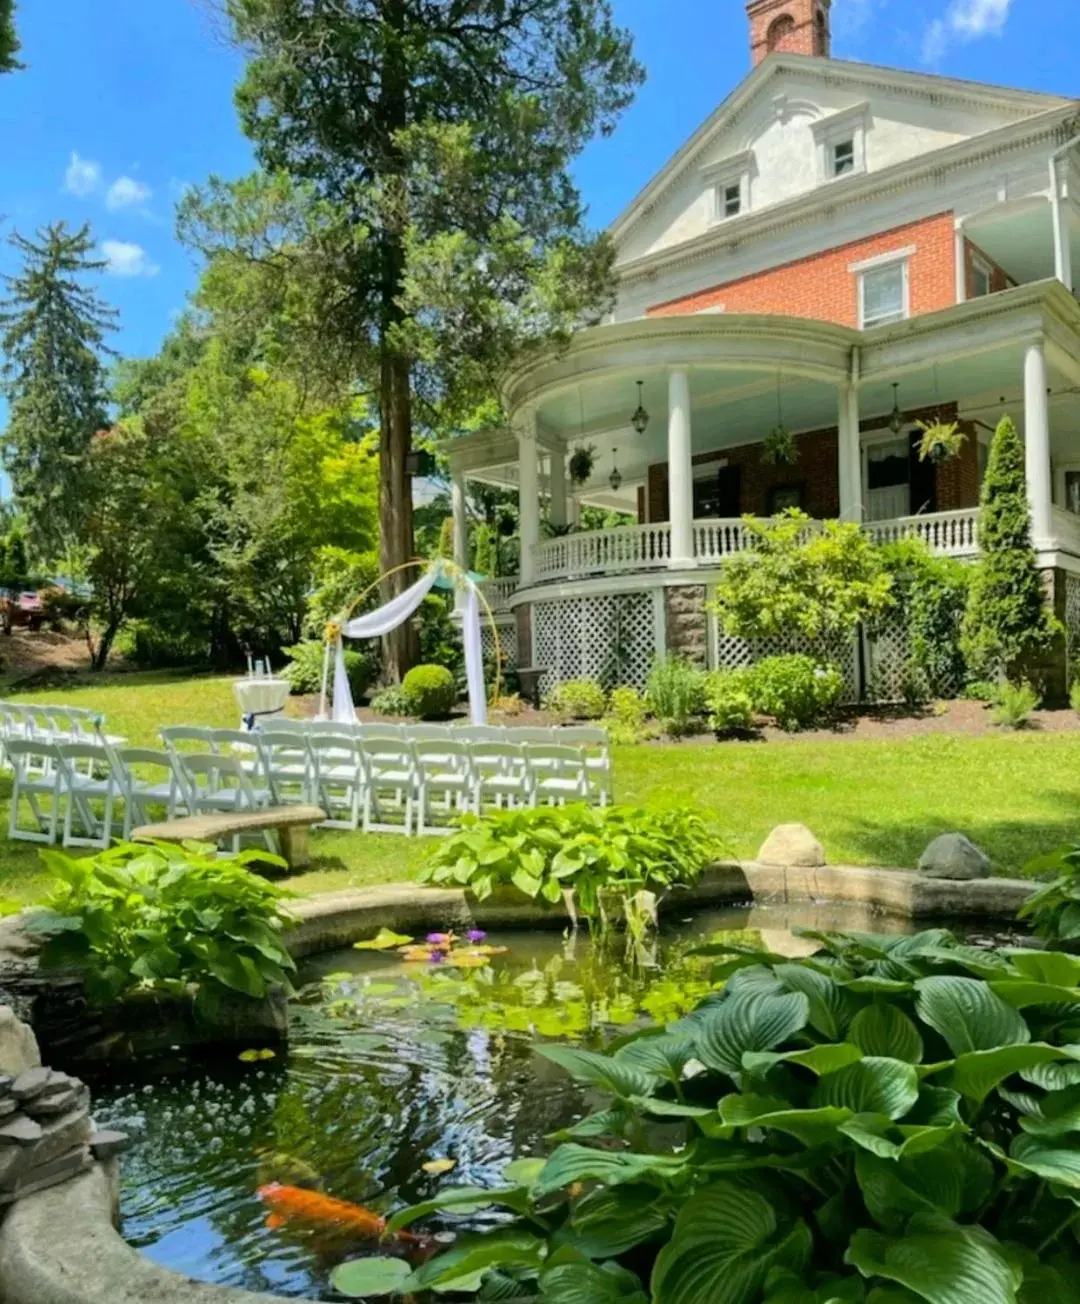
(126, 191)
(964, 20)
(82, 177)
(125, 259)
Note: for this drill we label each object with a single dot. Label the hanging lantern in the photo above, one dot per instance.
(896, 421)
(615, 478)
(640, 419)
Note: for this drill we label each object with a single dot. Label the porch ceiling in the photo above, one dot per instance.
(1020, 239)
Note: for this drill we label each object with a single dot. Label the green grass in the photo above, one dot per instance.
(870, 803)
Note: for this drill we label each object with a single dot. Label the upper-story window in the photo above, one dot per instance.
(883, 289)
(982, 278)
(841, 142)
(728, 183)
(843, 157)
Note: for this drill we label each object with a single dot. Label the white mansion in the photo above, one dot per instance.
(840, 251)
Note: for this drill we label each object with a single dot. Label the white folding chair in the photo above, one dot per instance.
(244, 747)
(502, 773)
(167, 788)
(286, 764)
(100, 783)
(219, 784)
(596, 745)
(559, 774)
(492, 733)
(391, 779)
(426, 733)
(339, 778)
(187, 738)
(88, 726)
(39, 771)
(443, 769)
(530, 733)
(342, 728)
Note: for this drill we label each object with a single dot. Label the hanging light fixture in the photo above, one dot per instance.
(896, 421)
(615, 478)
(640, 419)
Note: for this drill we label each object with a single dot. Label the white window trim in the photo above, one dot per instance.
(732, 171)
(849, 124)
(880, 264)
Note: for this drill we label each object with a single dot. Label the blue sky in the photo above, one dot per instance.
(125, 102)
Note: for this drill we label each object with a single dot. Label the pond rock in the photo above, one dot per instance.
(792, 844)
(18, 1046)
(954, 856)
(30, 1083)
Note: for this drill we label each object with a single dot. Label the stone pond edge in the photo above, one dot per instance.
(61, 1246)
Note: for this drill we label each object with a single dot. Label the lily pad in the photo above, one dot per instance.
(370, 1278)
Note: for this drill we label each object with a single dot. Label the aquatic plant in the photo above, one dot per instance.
(579, 849)
(891, 1120)
(160, 917)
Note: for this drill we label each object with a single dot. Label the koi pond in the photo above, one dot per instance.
(399, 1077)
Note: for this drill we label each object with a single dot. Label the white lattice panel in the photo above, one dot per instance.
(1072, 625)
(507, 644)
(887, 664)
(735, 653)
(578, 638)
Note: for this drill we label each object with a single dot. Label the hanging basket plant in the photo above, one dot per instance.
(582, 461)
(940, 440)
(779, 447)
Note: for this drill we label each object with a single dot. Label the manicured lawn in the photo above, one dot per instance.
(870, 802)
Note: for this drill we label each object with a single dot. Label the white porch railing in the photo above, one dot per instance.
(497, 591)
(604, 552)
(953, 533)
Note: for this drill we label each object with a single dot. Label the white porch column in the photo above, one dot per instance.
(680, 471)
(557, 506)
(849, 454)
(1060, 217)
(528, 494)
(961, 262)
(1037, 443)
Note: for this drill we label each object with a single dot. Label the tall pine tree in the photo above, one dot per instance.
(441, 132)
(1007, 621)
(9, 41)
(53, 342)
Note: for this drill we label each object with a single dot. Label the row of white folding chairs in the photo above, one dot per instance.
(359, 779)
(38, 722)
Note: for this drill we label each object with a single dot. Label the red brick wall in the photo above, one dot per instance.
(823, 288)
(958, 478)
(789, 27)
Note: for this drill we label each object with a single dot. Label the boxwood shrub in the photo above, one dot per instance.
(430, 691)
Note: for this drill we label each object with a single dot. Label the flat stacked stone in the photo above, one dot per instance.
(46, 1133)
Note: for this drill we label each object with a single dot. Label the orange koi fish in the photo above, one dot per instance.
(293, 1204)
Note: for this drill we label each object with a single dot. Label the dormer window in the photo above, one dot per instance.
(843, 157)
(841, 142)
(727, 184)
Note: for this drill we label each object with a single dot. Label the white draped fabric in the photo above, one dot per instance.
(395, 613)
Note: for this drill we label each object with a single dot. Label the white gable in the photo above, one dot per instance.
(774, 136)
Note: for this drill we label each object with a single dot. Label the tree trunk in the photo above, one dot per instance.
(101, 652)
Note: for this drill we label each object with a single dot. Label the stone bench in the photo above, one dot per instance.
(291, 823)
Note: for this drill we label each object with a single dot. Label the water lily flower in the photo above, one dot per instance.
(475, 935)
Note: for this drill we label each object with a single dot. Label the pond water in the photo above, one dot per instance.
(391, 1066)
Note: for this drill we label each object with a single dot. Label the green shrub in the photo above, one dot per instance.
(795, 690)
(1054, 910)
(627, 717)
(578, 699)
(161, 917)
(930, 596)
(877, 1124)
(675, 692)
(729, 698)
(1015, 703)
(543, 851)
(1007, 618)
(305, 669)
(430, 692)
(982, 690)
(390, 701)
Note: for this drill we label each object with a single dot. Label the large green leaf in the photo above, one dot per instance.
(811, 1126)
(617, 1076)
(1021, 993)
(889, 1140)
(953, 1179)
(507, 1246)
(939, 1261)
(748, 1023)
(977, 1073)
(831, 1007)
(870, 1086)
(1054, 967)
(1056, 1162)
(607, 1223)
(968, 1014)
(585, 1283)
(826, 1058)
(464, 1199)
(725, 1242)
(1054, 1076)
(370, 1278)
(574, 1163)
(790, 1288)
(664, 1057)
(886, 1031)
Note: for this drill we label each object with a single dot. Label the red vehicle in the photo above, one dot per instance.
(25, 610)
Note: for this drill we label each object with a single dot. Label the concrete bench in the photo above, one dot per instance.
(291, 823)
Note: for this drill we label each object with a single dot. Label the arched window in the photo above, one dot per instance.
(779, 31)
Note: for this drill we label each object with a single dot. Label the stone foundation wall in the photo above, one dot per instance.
(523, 617)
(687, 623)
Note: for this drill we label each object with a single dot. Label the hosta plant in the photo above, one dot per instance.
(1054, 909)
(894, 1120)
(583, 849)
(165, 918)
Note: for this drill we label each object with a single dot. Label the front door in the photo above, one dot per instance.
(718, 495)
(888, 480)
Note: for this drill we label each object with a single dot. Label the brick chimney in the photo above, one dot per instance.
(789, 27)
